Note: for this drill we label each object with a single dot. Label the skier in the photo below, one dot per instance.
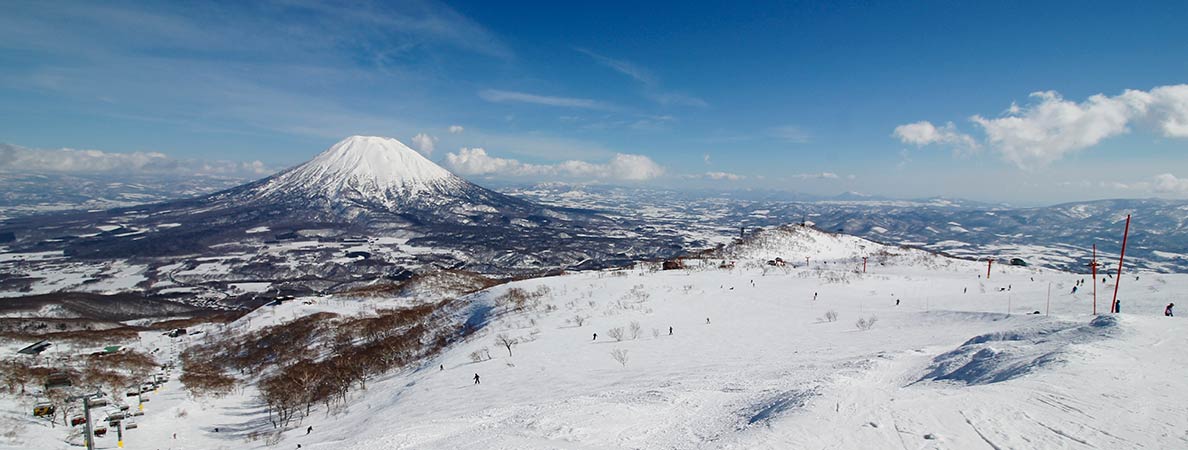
(707, 320)
(814, 296)
(595, 337)
(670, 331)
(1117, 306)
(896, 302)
(309, 430)
(964, 290)
(476, 379)
(1168, 311)
(1074, 290)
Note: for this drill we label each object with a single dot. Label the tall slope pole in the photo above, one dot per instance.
(1094, 265)
(989, 262)
(1118, 280)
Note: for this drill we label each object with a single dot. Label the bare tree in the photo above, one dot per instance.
(476, 356)
(866, 324)
(831, 316)
(636, 330)
(579, 320)
(616, 333)
(620, 355)
(506, 341)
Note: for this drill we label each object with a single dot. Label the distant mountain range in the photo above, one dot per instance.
(1059, 236)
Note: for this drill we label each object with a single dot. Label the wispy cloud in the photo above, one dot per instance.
(624, 167)
(624, 67)
(792, 134)
(652, 86)
(727, 176)
(498, 96)
(14, 158)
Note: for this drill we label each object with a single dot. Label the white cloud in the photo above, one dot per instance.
(925, 133)
(1051, 127)
(723, 176)
(456, 129)
(498, 96)
(1167, 183)
(625, 167)
(22, 159)
(815, 176)
(790, 133)
(424, 143)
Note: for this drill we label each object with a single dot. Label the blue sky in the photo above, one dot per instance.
(803, 96)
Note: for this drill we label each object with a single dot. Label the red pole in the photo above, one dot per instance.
(1094, 265)
(989, 262)
(863, 264)
(1117, 281)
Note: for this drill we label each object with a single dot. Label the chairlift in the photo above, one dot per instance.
(101, 431)
(98, 403)
(131, 426)
(43, 409)
(57, 379)
(77, 420)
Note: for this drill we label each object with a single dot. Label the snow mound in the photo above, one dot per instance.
(793, 243)
(1001, 356)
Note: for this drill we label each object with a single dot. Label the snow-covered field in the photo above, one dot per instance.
(954, 360)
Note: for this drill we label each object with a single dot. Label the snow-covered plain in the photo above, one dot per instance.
(954, 360)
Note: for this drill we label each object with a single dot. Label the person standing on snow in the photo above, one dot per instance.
(1167, 312)
(309, 430)
(476, 379)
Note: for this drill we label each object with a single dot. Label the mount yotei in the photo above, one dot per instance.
(367, 209)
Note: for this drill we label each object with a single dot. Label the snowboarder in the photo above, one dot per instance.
(1167, 312)
(670, 331)
(476, 379)
(595, 337)
(309, 430)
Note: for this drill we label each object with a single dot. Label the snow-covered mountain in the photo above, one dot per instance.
(367, 208)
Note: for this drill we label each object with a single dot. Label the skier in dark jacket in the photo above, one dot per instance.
(476, 379)
(1168, 310)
